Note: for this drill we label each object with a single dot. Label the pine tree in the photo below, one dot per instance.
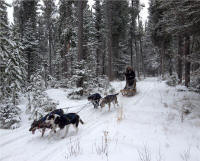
(11, 70)
(66, 34)
(160, 37)
(98, 34)
(4, 49)
(151, 57)
(29, 36)
(120, 21)
(49, 10)
(11, 61)
(141, 35)
(18, 17)
(173, 27)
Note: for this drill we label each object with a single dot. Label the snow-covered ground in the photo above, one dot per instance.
(146, 127)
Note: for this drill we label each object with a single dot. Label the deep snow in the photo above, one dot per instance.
(146, 127)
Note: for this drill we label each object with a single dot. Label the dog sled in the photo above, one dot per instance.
(129, 90)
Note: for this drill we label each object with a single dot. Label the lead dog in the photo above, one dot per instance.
(42, 124)
(64, 120)
(108, 99)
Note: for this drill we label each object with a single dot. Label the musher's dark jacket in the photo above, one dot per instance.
(130, 75)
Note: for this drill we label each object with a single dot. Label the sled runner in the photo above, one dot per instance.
(129, 90)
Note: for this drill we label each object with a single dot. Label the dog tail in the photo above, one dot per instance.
(81, 121)
(116, 94)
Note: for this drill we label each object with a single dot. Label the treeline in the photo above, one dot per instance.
(173, 31)
(70, 42)
(75, 44)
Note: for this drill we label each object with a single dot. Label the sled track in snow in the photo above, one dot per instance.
(49, 148)
(10, 141)
(141, 94)
(96, 120)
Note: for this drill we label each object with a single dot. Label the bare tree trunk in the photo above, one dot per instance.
(103, 58)
(97, 54)
(142, 58)
(79, 82)
(53, 53)
(137, 58)
(180, 53)
(170, 64)
(131, 46)
(132, 26)
(162, 60)
(136, 45)
(50, 53)
(109, 21)
(80, 30)
(115, 50)
(71, 64)
(98, 36)
(140, 41)
(65, 63)
(187, 62)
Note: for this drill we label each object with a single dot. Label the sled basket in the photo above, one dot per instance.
(128, 92)
(131, 91)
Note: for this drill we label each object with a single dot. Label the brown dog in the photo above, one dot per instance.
(108, 99)
(40, 124)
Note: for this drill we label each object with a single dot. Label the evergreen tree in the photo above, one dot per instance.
(11, 70)
(11, 60)
(65, 34)
(49, 11)
(98, 36)
(30, 36)
(119, 29)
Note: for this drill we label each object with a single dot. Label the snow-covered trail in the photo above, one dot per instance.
(149, 127)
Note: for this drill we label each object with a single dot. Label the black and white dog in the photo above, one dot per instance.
(42, 124)
(95, 98)
(64, 120)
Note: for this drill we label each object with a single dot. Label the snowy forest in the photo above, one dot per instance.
(69, 49)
